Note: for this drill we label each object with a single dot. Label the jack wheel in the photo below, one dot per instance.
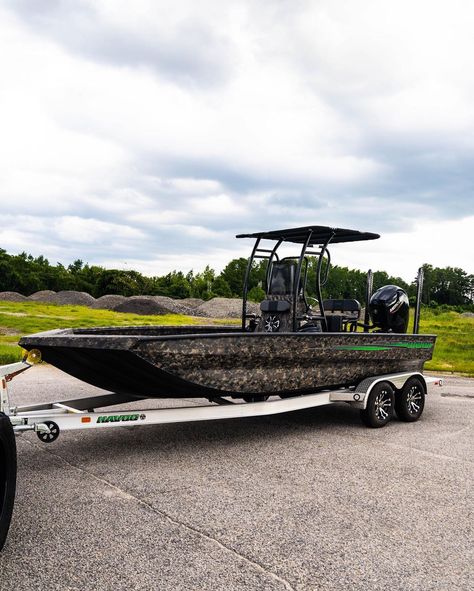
(380, 406)
(7, 476)
(49, 437)
(410, 402)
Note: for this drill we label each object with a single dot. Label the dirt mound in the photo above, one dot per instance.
(73, 298)
(12, 296)
(191, 302)
(225, 308)
(215, 308)
(174, 306)
(45, 295)
(142, 306)
(108, 302)
(168, 303)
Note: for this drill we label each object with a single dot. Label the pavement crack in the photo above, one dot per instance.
(173, 520)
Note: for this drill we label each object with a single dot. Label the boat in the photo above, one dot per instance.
(308, 351)
(296, 345)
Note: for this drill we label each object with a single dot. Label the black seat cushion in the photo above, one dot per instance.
(275, 306)
(334, 323)
(346, 305)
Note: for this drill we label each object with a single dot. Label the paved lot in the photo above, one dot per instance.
(309, 500)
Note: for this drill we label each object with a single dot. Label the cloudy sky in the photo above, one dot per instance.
(146, 134)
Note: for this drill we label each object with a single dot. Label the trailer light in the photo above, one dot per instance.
(356, 396)
(85, 420)
(34, 356)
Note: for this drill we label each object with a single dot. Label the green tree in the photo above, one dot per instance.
(449, 285)
(114, 281)
(256, 294)
(201, 285)
(234, 273)
(221, 288)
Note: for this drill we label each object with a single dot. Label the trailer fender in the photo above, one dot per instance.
(362, 391)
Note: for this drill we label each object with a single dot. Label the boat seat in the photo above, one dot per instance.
(277, 307)
(342, 315)
(334, 323)
(277, 314)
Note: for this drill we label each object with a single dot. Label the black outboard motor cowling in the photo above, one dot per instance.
(389, 309)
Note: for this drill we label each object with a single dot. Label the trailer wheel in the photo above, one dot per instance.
(52, 435)
(410, 402)
(380, 406)
(7, 476)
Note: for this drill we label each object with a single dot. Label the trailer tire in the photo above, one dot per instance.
(380, 406)
(410, 401)
(8, 470)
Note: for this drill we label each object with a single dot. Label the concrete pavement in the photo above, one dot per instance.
(310, 500)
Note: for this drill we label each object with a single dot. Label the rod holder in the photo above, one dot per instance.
(419, 292)
(368, 294)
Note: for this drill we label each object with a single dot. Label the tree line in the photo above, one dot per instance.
(27, 274)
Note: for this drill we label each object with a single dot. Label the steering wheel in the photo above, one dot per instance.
(311, 301)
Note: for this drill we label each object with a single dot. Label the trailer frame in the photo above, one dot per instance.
(49, 419)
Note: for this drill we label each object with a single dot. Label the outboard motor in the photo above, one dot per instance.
(389, 309)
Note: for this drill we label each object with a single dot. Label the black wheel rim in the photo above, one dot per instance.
(414, 400)
(382, 405)
(53, 432)
(272, 324)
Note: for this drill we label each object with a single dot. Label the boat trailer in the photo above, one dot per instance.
(377, 397)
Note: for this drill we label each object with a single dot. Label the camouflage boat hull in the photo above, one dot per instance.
(210, 361)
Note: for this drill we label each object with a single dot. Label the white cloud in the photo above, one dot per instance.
(442, 243)
(133, 130)
(81, 230)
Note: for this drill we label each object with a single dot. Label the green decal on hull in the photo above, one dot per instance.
(413, 345)
(386, 347)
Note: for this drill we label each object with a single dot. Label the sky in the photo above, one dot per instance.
(147, 134)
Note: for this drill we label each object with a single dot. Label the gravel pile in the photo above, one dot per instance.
(215, 308)
(12, 296)
(45, 295)
(225, 308)
(141, 305)
(192, 302)
(175, 306)
(108, 302)
(73, 298)
(172, 306)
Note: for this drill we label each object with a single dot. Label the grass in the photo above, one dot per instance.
(454, 351)
(19, 319)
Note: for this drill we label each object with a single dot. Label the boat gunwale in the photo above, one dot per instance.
(58, 335)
